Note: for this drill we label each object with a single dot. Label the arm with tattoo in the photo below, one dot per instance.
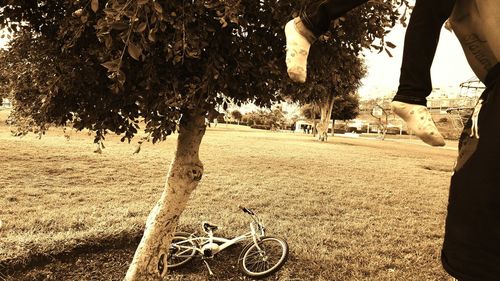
(468, 27)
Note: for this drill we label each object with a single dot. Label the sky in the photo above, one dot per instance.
(449, 69)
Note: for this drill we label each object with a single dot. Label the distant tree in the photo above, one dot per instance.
(380, 110)
(312, 112)
(250, 118)
(309, 111)
(273, 118)
(221, 117)
(276, 118)
(236, 114)
(345, 107)
(331, 84)
(109, 65)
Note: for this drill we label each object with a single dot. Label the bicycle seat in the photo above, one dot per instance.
(209, 226)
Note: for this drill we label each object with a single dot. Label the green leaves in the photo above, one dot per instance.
(388, 52)
(119, 26)
(390, 44)
(150, 60)
(141, 27)
(158, 8)
(94, 5)
(78, 13)
(134, 51)
(113, 65)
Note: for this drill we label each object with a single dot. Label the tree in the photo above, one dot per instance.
(380, 111)
(251, 118)
(312, 112)
(236, 114)
(272, 119)
(345, 107)
(276, 118)
(106, 65)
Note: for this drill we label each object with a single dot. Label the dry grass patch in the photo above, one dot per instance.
(350, 209)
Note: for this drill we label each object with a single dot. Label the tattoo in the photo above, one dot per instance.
(478, 49)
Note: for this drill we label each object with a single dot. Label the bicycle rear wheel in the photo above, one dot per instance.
(267, 258)
(181, 250)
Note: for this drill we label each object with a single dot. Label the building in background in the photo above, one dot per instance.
(5, 103)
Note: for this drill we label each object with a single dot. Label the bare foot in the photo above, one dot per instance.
(419, 120)
(298, 42)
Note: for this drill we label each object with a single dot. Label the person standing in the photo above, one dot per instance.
(471, 248)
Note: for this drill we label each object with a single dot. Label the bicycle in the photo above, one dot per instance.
(262, 256)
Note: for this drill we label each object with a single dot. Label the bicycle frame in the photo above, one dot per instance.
(255, 259)
(223, 242)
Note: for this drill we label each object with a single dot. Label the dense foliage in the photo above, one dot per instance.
(345, 107)
(107, 65)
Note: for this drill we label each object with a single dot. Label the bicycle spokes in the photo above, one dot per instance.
(264, 257)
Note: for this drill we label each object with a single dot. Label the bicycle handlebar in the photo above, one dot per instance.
(246, 210)
(255, 219)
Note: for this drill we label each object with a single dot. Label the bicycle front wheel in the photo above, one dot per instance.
(181, 250)
(264, 259)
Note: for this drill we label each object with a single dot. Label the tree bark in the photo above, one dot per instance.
(186, 170)
(333, 127)
(385, 125)
(326, 112)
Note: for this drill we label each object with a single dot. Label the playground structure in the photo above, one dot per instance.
(470, 90)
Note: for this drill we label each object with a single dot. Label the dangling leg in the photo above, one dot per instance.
(302, 31)
(298, 42)
(421, 41)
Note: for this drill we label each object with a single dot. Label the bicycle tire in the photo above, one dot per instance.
(176, 256)
(255, 265)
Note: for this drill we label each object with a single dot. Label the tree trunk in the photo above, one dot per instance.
(384, 132)
(385, 125)
(186, 170)
(326, 112)
(313, 128)
(333, 127)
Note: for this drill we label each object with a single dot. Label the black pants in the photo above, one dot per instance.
(421, 39)
(471, 249)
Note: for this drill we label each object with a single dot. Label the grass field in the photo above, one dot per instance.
(350, 209)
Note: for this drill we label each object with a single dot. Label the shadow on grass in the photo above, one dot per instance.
(109, 261)
(17, 266)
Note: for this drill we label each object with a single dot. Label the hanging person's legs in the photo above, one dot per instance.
(415, 84)
(302, 31)
(420, 45)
